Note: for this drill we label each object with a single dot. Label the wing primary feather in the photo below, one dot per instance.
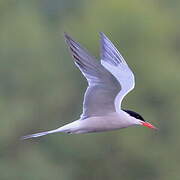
(102, 85)
(109, 51)
(113, 61)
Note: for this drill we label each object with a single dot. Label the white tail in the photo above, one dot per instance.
(68, 128)
(41, 134)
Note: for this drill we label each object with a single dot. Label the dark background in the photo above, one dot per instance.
(41, 89)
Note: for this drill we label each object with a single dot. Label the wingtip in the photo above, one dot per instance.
(66, 36)
(102, 35)
(68, 39)
(103, 39)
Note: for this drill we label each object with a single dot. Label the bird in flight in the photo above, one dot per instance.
(109, 81)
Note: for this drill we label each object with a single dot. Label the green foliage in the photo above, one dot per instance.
(41, 89)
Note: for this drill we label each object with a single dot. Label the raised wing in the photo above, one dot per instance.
(113, 61)
(102, 88)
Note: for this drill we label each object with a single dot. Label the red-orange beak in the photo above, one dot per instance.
(149, 125)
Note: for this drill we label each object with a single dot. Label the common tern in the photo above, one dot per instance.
(109, 81)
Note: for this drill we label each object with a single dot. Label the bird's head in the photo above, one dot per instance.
(140, 119)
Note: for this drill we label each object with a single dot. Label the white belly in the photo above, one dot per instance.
(98, 124)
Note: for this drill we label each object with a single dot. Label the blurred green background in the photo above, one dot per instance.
(41, 89)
